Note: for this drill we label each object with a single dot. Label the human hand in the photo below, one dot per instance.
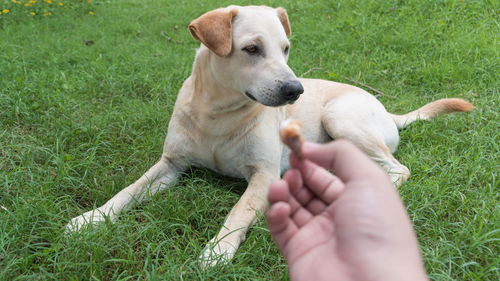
(347, 226)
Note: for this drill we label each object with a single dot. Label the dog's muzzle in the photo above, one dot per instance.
(291, 90)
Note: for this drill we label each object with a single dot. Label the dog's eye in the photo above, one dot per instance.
(287, 48)
(252, 49)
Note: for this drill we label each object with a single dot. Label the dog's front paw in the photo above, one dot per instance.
(89, 218)
(217, 253)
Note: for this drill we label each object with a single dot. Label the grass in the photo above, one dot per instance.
(79, 121)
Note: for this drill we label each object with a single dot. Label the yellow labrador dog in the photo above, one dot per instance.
(228, 112)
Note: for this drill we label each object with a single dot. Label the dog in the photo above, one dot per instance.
(228, 113)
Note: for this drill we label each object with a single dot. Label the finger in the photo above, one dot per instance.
(280, 224)
(322, 183)
(296, 185)
(279, 192)
(300, 215)
(316, 206)
(294, 180)
(302, 194)
(342, 157)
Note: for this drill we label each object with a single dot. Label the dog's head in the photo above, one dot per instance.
(250, 46)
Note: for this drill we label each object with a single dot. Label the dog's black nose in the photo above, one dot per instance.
(291, 90)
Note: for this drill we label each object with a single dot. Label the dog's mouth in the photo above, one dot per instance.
(250, 96)
(293, 100)
(273, 102)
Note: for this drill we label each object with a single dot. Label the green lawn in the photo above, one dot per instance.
(79, 121)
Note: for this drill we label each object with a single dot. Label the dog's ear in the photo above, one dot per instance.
(282, 15)
(213, 29)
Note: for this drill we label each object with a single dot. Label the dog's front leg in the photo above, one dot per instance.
(157, 178)
(223, 246)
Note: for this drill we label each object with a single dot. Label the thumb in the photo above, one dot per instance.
(343, 158)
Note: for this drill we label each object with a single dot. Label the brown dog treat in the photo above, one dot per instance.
(291, 135)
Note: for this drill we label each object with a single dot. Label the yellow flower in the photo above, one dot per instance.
(91, 13)
(60, 4)
(18, 2)
(49, 1)
(14, 1)
(5, 11)
(32, 13)
(27, 4)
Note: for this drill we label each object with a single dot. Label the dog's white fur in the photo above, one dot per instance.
(228, 112)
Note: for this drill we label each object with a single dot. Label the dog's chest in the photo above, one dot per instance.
(219, 160)
(235, 161)
(241, 155)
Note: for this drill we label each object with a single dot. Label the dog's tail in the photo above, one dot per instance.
(433, 109)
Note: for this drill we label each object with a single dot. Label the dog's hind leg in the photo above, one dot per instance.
(380, 153)
(365, 122)
(160, 176)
